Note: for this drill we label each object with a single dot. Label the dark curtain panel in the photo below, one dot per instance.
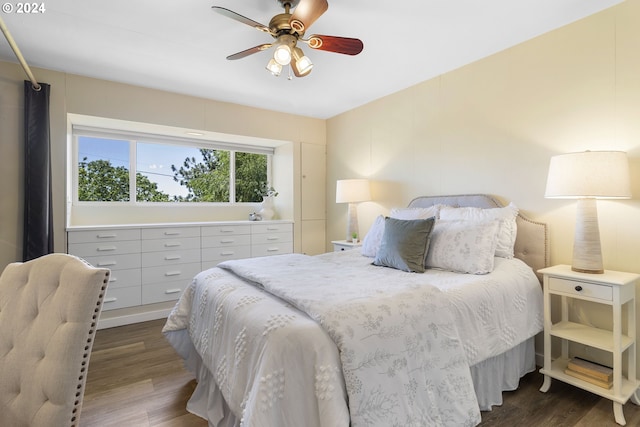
(38, 215)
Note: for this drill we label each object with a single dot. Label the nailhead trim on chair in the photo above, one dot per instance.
(85, 356)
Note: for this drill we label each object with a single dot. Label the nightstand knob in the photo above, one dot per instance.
(578, 288)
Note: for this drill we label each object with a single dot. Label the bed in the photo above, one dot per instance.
(335, 340)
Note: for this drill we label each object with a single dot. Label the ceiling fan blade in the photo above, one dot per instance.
(237, 17)
(306, 13)
(250, 51)
(345, 45)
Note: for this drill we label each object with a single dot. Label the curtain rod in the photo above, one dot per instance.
(16, 50)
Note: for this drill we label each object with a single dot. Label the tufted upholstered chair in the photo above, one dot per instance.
(49, 309)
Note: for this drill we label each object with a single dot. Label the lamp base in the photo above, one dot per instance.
(587, 254)
(352, 222)
(582, 270)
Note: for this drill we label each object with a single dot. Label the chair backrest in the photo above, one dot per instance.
(49, 309)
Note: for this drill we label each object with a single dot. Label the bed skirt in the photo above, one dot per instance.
(502, 373)
(490, 378)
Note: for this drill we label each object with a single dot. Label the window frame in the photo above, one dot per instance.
(133, 137)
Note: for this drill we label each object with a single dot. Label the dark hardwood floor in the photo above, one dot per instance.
(136, 379)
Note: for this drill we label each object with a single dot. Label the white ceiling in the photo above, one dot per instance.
(181, 45)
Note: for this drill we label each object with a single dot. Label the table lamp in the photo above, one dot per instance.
(352, 191)
(588, 176)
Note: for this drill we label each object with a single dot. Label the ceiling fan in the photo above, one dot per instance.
(288, 29)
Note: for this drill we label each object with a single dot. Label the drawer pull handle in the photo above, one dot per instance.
(173, 273)
(172, 257)
(171, 233)
(273, 238)
(227, 241)
(227, 253)
(113, 279)
(273, 228)
(172, 245)
(106, 236)
(106, 248)
(172, 291)
(226, 230)
(578, 288)
(273, 249)
(112, 299)
(107, 263)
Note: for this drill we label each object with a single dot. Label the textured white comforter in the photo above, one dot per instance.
(406, 340)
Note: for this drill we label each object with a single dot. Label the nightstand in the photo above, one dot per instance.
(613, 288)
(343, 245)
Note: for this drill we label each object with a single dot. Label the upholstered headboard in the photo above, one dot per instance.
(531, 241)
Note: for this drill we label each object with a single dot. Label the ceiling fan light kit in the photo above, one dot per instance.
(302, 64)
(288, 29)
(274, 67)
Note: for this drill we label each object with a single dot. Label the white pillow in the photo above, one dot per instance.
(506, 216)
(463, 246)
(373, 238)
(415, 213)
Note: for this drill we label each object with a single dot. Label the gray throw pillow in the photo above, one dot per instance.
(404, 244)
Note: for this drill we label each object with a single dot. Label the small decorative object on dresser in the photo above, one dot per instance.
(343, 245)
(612, 288)
(267, 210)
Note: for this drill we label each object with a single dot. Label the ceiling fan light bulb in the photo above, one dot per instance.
(274, 67)
(282, 55)
(304, 65)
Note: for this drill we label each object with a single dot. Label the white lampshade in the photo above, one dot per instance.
(588, 176)
(597, 174)
(352, 191)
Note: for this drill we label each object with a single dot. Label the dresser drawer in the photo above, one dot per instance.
(225, 230)
(170, 232)
(85, 250)
(182, 243)
(271, 249)
(164, 274)
(223, 254)
(271, 228)
(114, 261)
(121, 298)
(161, 292)
(154, 259)
(258, 239)
(577, 289)
(111, 235)
(124, 278)
(225, 241)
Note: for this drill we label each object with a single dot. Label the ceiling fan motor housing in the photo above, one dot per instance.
(280, 25)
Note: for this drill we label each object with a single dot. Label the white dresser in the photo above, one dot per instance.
(117, 249)
(152, 264)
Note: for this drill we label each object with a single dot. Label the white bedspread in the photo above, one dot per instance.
(405, 359)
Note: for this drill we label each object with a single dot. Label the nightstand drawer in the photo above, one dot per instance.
(572, 287)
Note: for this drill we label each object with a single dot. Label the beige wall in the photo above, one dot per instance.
(87, 96)
(491, 127)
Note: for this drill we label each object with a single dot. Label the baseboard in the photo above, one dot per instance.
(539, 359)
(127, 319)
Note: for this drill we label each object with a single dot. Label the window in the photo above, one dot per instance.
(113, 166)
